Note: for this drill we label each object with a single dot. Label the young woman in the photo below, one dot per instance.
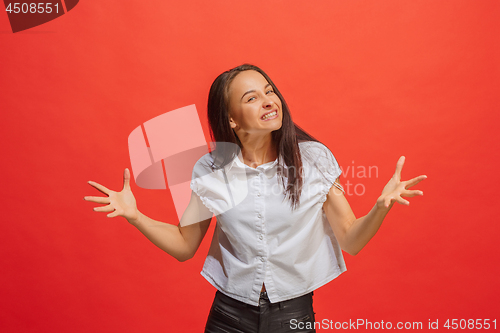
(282, 217)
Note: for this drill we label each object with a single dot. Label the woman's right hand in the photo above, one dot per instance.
(117, 203)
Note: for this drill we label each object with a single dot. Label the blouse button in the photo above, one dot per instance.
(259, 216)
(258, 194)
(261, 237)
(262, 259)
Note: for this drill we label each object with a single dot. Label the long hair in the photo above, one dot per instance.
(285, 139)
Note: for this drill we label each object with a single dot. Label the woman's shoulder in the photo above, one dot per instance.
(211, 163)
(314, 149)
(311, 145)
(206, 158)
(317, 154)
(204, 165)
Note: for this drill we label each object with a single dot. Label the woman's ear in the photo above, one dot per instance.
(232, 123)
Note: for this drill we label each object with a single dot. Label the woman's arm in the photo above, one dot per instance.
(353, 234)
(179, 242)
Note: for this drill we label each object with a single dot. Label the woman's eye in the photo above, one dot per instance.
(267, 92)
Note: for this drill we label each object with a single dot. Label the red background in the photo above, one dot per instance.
(373, 80)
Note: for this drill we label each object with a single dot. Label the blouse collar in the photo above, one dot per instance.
(237, 164)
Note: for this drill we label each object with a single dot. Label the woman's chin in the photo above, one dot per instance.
(274, 125)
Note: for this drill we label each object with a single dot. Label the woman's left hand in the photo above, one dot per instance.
(396, 189)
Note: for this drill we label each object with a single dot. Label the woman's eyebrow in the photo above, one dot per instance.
(251, 91)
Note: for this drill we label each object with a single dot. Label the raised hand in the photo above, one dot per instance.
(396, 189)
(117, 203)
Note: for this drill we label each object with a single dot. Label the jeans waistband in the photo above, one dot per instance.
(264, 300)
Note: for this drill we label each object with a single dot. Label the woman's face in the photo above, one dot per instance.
(254, 108)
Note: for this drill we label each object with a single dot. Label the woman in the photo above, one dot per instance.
(282, 218)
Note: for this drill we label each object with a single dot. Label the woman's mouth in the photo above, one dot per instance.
(270, 115)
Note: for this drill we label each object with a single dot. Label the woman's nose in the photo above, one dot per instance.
(267, 103)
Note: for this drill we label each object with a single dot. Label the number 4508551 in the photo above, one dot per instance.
(32, 8)
(470, 324)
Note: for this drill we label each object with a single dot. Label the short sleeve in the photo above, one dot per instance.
(203, 183)
(325, 166)
(218, 191)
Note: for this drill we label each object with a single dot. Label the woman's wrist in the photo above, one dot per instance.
(381, 204)
(135, 218)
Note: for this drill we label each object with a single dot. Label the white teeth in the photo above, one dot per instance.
(272, 114)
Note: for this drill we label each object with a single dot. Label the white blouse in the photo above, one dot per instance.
(258, 238)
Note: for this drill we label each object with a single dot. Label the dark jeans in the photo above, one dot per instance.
(228, 315)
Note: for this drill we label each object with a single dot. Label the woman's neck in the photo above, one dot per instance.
(258, 151)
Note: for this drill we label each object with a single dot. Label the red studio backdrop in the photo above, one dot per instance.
(373, 80)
